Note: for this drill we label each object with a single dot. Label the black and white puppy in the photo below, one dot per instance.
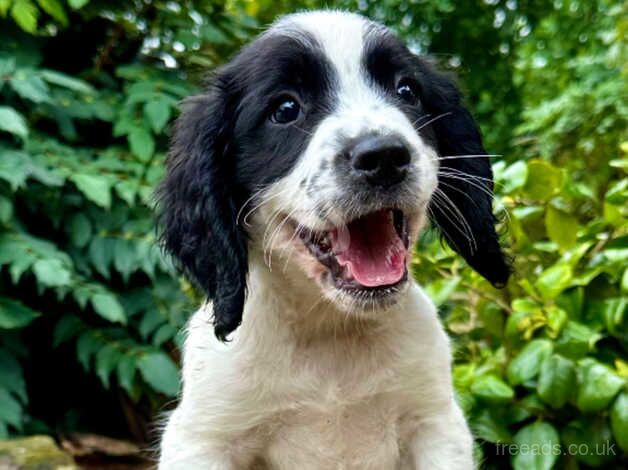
(297, 184)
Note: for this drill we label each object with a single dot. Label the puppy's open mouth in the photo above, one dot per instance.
(367, 254)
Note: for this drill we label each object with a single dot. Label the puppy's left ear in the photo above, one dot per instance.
(463, 208)
(197, 205)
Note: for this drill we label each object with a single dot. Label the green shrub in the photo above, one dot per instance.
(82, 144)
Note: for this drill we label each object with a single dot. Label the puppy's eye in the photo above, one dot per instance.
(406, 90)
(286, 110)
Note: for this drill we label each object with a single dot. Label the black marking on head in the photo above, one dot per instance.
(453, 132)
(278, 65)
(224, 147)
(387, 61)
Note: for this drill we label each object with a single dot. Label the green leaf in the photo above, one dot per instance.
(101, 254)
(126, 372)
(66, 328)
(492, 388)
(538, 447)
(554, 280)
(619, 420)
(106, 361)
(96, 188)
(562, 228)
(6, 209)
(13, 122)
(25, 15)
(80, 230)
(543, 181)
(124, 257)
(66, 81)
(141, 143)
(614, 313)
(617, 193)
(590, 441)
(160, 373)
(163, 334)
(150, 321)
(576, 340)
(127, 190)
(572, 301)
(55, 9)
(491, 429)
(527, 363)
(556, 320)
(158, 112)
(214, 35)
(108, 307)
(86, 346)
(597, 386)
(7, 67)
(440, 290)
(513, 178)
(15, 167)
(77, 4)
(30, 86)
(4, 7)
(557, 380)
(51, 273)
(20, 266)
(11, 377)
(14, 314)
(10, 410)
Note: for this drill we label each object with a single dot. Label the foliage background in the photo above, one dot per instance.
(90, 311)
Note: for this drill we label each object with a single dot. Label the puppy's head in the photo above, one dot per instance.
(323, 146)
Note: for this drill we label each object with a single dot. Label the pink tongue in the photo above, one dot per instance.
(371, 250)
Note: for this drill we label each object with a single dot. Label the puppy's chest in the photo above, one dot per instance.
(337, 414)
(365, 435)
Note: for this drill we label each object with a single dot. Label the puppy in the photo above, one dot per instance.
(296, 186)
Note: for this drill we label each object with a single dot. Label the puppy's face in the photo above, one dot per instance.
(324, 146)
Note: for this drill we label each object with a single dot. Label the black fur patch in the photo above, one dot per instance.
(224, 148)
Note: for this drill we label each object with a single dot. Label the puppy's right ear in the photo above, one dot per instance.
(197, 209)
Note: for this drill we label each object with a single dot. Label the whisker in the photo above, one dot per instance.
(475, 184)
(432, 120)
(423, 116)
(457, 157)
(265, 201)
(302, 130)
(463, 220)
(466, 231)
(273, 237)
(462, 174)
(253, 196)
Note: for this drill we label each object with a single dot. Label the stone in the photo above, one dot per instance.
(34, 453)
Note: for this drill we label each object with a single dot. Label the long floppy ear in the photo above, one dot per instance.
(197, 207)
(463, 208)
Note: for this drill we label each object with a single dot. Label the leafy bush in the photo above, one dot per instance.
(87, 90)
(81, 150)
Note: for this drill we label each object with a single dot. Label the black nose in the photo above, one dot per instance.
(381, 160)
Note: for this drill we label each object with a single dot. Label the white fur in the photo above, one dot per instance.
(306, 383)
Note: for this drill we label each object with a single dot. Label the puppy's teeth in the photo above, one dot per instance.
(325, 244)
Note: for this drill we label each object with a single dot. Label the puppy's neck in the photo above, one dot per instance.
(283, 298)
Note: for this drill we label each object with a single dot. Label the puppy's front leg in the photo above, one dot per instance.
(182, 449)
(443, 442)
